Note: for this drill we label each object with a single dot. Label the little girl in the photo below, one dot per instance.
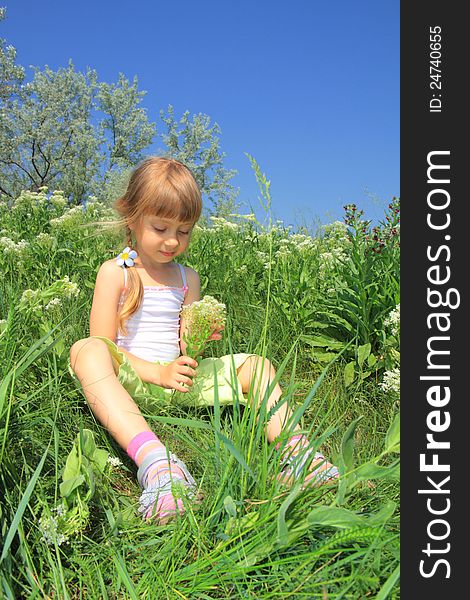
(136, 345)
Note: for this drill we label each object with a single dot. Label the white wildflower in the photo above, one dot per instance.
(29, 296)
(70, 217)
(221, 223)
(60, 510)
(49, 527)
(283, 252)
(114, 461)
(70, 288)
(18, 250)
(53, 303)
(393, 320)
(45, 240)
(202, 318)
(391, 381)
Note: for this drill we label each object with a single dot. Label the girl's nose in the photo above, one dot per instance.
(171, 241)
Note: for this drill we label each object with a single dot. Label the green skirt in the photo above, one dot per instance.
(213, 376)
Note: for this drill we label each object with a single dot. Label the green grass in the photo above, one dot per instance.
(249, 537)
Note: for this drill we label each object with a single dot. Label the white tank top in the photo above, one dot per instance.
(153, 331)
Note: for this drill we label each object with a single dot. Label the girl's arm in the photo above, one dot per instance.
(193, 295)
(103, 316)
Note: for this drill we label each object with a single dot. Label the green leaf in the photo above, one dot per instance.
(323, 341)
(371, 360)
(349, 373)
(322, 356)
(87, 442)
(346, 462)
(100, 458)
(72, 465)
(382, 515)
(362, 353)
(230, 506)
(282, 530)
(373, 471)
(334, 516)
(69, 485)
(392, 438)
(389, 584)
(22, 507)
(235, 453)
(347, 445)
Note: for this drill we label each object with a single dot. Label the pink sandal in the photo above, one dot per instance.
(158, 499)
(297, 454)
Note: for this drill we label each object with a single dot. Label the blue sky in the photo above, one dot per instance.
(310, 89)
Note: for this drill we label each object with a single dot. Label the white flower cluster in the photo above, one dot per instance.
(29, 200)
(302, 242)
(49, 527)
(52, 303)
(57, 200)
(250, 217)
(17, 250)
(69, 218)
(30, 296)
(264, 258)
(114, 461)
(202, 318)
(337, 231)
(391, 381)
(71, 289)
(330, 259)
(295, 242)
(393, 321)
(45, 240)
(207, 312)
(221, 223)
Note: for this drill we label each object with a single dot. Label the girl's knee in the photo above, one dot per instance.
(83, 348)
(259, 364)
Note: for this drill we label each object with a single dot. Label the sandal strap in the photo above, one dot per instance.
(162, 455)
(298, 457)
(160, 488)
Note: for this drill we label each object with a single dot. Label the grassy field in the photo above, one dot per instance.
(323, 307)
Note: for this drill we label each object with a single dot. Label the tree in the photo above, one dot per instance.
(196, 143)
(11, 74)
(66, 130)
(48, 135)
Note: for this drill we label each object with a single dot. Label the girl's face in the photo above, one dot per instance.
(161, 240)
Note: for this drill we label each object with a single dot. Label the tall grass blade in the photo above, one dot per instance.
(389, 584)
(22, 506)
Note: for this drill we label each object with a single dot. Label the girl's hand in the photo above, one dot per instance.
(177, 374)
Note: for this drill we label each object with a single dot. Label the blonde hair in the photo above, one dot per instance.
(159, 186)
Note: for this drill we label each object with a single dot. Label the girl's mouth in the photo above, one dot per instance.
(167, 253)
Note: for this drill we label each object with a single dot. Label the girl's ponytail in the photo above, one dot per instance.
(134, 293)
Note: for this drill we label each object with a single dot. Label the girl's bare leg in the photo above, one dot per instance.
(256, 374)
(111, 404)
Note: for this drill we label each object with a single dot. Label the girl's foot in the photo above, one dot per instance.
(164, 483)
(296, 455)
